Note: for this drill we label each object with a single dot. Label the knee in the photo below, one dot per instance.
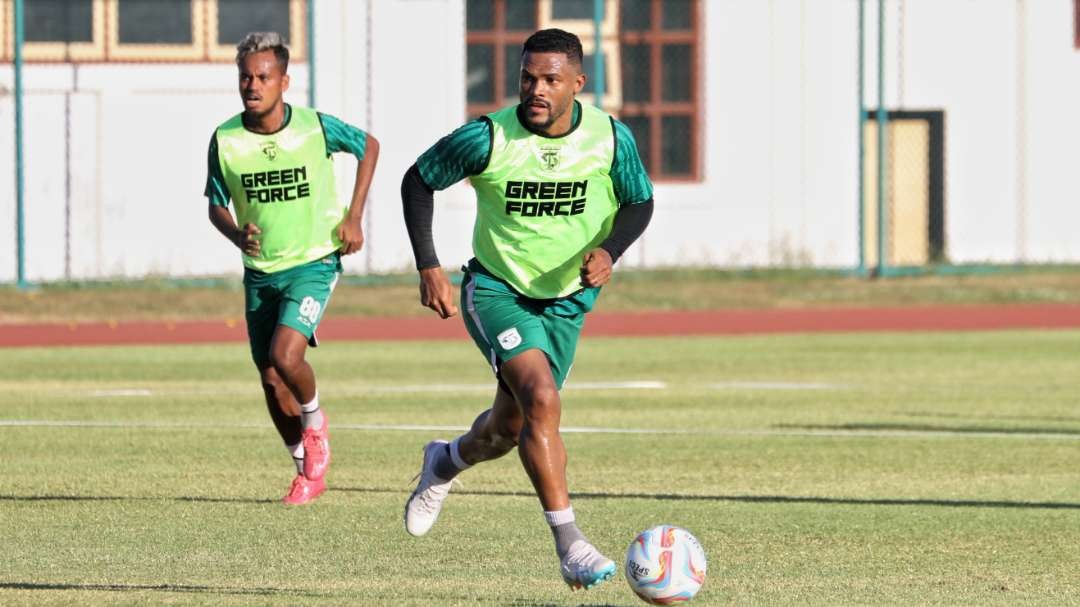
(273, 386)
(544, 406)
(286, 360)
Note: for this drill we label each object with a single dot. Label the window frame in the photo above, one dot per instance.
(656, 108)
(56, 51)
(612, 38)
(107, 48)
(1076, 24)
(191, 51)
(497, 37)
(297, 34)
(609, 43)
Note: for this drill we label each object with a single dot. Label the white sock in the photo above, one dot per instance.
(297, 453)
(564, 528)
(455, 456)
(555, 518)
(448, 462)
(310, 414)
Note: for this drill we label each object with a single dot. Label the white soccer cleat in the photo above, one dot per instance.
(584, 566)
(427, 499)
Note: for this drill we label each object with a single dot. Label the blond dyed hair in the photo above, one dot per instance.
(257, 42)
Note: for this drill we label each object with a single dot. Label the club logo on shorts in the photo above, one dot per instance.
(270, 150)
(509, 339)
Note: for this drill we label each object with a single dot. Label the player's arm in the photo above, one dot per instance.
(343, 137)
(246, 238)
(460, 154)
(217, 193)
(635, 195)
(418, 204)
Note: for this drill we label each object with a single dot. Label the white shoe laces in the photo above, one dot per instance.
(582, 558)
(429, 498)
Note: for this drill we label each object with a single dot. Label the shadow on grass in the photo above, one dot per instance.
(1028, 418)
(527, 603)
(886, 427)
(184, 588)
(127, 498)
(750, 499)
(769, 499)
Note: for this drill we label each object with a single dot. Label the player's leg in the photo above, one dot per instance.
(487, 304)
(288, 348)
(285, 412)
(491, 436)
(306, 293)
(581, 563)
(540, 446)
(543, 454)
(263, 300)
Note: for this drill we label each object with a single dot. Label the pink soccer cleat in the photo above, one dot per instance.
(317, 451)
(302, 491)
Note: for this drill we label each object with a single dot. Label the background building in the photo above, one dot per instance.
(746, 113)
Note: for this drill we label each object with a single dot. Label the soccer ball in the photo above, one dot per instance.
(665, 565)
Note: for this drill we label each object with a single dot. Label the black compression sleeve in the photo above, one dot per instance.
(418, 203)
(630, 222)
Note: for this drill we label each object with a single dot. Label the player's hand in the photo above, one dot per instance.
(351, 235)
(436, 293)
(596, 268)
(247, 241)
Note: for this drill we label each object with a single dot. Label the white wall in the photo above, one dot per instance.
(780, 133)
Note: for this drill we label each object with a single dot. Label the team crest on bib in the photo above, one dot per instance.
(270, 150)
(509, 339)
(549, 158)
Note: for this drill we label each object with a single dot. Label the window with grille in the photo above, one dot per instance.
(651, 65)
(147, 30)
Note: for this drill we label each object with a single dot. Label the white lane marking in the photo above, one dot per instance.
(435, 388)
(428, 388)
(122, 392)
(765, 433)
(340, 389)
(774, 385)
(616, 385)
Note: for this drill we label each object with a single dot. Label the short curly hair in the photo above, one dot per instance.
(555, 41)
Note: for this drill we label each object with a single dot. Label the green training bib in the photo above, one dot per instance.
(543, 202)
(283, 182)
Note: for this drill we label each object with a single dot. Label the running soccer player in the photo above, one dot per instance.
(561, 193)
(273, 161)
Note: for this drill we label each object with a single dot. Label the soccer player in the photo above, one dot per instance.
(273, 161)
(561, 193)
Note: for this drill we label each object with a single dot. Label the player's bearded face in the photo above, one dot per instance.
(549, 82)
(262, 82)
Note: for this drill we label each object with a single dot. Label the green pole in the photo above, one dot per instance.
(862, 137)
(311, 52)
(882, 123)
(598, 56)
(20, 211)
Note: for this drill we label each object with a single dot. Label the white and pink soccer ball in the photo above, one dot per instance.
(665, 565)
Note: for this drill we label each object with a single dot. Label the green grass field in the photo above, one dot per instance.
(828, 469)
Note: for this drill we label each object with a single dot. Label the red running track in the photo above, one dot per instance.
(714, 322)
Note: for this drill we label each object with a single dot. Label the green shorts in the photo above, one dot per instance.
(504, 323)
(295, 298)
